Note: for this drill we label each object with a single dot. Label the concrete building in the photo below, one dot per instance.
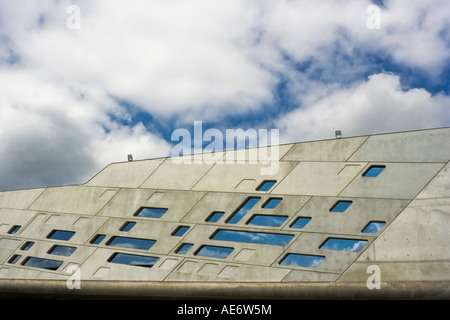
(358, 217)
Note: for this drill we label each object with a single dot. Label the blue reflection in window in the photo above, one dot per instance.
(48, 264)
(60, 235)
(243, 209)
(339, 244)
(341, 206)
(301, 222)
(180, 231)
(98, 238)
(253, 237)
(13, 230)
(266, 185)
(214, 252)
(133, 260)
(151, 212)
(302, 260)
(215, 216)
(62, 250)
(374, 227)
(132, 243)
(373, 171)
(272, 203)
(127, 226)
(267, 220)
(184, 248)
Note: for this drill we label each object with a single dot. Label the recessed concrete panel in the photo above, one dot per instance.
(20, 199)
(327, 150)
(173, 175)
(417, 146)
(14, 217)
(397, 180)
(439, 187)
(319, 178)
(129, 174)
(7, 247)
(73, 199)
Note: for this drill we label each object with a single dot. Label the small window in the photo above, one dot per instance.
(253, 237)
(301, 222)
(339, 244)
(184, 248)
(98, 238)
(40, 263)
(60, 235)
(130, 243)
(133, 260)
(27, 245)
(302, 260)
(215, 216)
(180, 231)
(373, 227)
(151, 212)
(272, 203)
(14, 259)
(214, 252)
(267, 220)
(62, 250)
(127, 226)
(341, 206)
(266, 185)
(243, 210)
(13, 229)
(373, 171)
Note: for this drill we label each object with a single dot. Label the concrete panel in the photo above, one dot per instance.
(7, 247)
(439, 187)
(73, 199)
(416, 146)
(397, 180)
(14, 217)
(319, 178)
(310, 276)
(129, 174)
(256, 155)
(220, 179)
(128, 201)
(20, 199)
(351, 221)
(327, 150)
(173, 175)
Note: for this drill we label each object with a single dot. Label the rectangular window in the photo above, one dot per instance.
(184, 248)
(63, 235)
(266, 185)
(272, 203)
(150, 212)
(98, 238)
(14, 259)
(62, 250)
(40, 263)
(339, 244)
(27, 245)
(13, 230)
(253, 237)
(301, 222)
(267, 220)
(341, 206)
(373, 227)
(131, 243)
(302, 260)
(214, 252)
(215, 216)
(180, 231)
(133, 260)
(127, 226)
(243, 209)
(373, 171)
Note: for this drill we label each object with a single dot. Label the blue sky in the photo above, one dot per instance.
(122, 76)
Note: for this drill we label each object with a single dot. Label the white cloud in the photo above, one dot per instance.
(374, 106)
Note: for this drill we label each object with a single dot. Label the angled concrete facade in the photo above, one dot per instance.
(326, 227)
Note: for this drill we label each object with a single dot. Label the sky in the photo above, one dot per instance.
(85, 83)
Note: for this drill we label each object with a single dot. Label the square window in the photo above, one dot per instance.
(341, 206)
(150, 212)
(301, 222)
(373, 171)
(63, 235)
(184, 248)
(215, 216)
(13, 229)
(271, 203)
(373, 227)
(180, 231)
(266, 185)
(127, 226)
